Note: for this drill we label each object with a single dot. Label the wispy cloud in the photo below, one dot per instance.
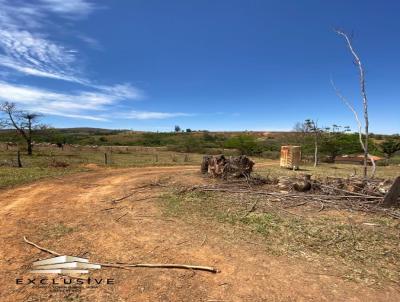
(26, 48)
(17, 14)
(93, 43)
(79, 104)
(69, 8)
(151, 115)
(37, 56)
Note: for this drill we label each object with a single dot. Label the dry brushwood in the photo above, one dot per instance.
(132, 265)
(330, 193)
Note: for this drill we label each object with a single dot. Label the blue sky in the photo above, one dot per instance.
(206, 64)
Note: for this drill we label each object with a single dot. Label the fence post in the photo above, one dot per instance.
(19, 159)
(105, 159)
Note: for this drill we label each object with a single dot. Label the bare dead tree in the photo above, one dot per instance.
(363, 142)
(22, 121)
(299, 127)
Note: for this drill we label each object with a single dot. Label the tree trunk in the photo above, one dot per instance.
(366, 150)
(316, 152)
(365, 107)
(29, 143)
(391, 198)
(19, 163)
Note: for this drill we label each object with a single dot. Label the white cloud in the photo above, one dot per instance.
(91, 105)
(93, 43)
(26, 69)
(80, 104)
(70, 8)
(29, 51)
(26, 49)
(150, 115)
(16, 14)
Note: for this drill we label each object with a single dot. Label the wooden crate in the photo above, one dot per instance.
(290, 157)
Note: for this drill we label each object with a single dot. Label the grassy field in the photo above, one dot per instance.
(56, 162)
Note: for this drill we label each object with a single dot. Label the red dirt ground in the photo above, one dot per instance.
(69, 215)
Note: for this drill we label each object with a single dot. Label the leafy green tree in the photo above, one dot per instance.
(334, 144)
(246, 144)
(389, 147)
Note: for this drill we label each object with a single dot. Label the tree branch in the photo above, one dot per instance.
(365, 102)
(347, 103)
(132, 265)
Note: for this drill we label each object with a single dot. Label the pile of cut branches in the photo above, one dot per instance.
(351, 194)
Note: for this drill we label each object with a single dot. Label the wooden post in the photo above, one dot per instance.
(105, 159)
(19, 159)
(393, 194)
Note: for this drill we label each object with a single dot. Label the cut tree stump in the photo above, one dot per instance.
(391, 197)
(219, 166)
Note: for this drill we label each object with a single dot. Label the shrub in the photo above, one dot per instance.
(58, 164)
(270, 154)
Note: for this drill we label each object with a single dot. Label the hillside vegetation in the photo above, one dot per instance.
(263, 144)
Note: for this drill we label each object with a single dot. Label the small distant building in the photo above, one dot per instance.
(290, 157)
(355, 159)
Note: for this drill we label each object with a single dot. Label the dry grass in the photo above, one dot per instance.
(55, 231)
(50, 163)
(55, 162)
(270, 167)
(340, 241)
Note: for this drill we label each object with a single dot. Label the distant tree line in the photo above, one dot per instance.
(318, 143)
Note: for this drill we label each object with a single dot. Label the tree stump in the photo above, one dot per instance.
(304, 185)
(391, 197)
(222, 167)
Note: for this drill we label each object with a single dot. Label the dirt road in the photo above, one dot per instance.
(74, 216)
